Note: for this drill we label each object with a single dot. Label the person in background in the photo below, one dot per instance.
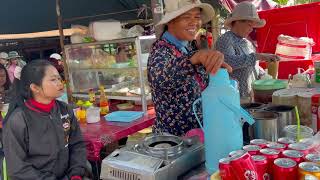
(56, 60)
(122, 55)
(41, 136)
(4, 85)
(3, 58)
(177, 74)
(14, 61)
(239, 52)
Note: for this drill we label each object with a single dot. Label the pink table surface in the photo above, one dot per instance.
(98, 135)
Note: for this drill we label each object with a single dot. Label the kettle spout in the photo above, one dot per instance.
(238, 111)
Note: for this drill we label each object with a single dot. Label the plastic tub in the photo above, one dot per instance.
(263, 89)
(93, 115)
(291, 132)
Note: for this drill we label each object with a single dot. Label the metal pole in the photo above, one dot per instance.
(157, 12)
(65, 66)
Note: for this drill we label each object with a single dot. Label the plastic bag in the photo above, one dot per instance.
(290, 48)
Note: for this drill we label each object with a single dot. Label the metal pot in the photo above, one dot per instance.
(246, 128)
(286, 116)
(252, 106)
(266, 125)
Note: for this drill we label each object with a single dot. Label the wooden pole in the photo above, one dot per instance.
(215, 27)
(157, 12)
(65, 65)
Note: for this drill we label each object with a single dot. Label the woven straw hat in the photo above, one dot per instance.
(175, 8)
(245, 11)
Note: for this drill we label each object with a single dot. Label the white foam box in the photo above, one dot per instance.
(105, 30)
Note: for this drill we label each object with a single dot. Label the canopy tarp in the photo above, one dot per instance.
(27, 16)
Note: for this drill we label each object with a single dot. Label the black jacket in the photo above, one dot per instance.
(43, 146)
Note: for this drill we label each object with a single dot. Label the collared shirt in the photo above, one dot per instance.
(173, 85)
(181, 45)
(240, 54)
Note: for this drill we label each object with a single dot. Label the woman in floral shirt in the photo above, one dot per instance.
(177, 73)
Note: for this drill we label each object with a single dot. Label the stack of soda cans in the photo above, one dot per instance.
(263, 160)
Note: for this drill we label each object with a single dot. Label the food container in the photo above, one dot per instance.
(266, 125)
(286, 116)
(291, 132)
(246, 128)
(93, 114)
(263, 89)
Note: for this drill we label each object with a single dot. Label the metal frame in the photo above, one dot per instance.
(140, 68)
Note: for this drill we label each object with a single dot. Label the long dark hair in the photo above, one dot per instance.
(32, 73)
(8, 82)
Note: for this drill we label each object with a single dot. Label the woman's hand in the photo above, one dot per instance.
(211, 60)
(267, 57)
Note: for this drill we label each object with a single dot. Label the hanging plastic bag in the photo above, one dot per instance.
(291, 48)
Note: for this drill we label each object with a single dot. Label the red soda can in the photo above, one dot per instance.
(285, 169)
(277, 146)
(271, 155)
(243, 167)
(225, 169)
(302, 147)
(297, 156)
(286, 141)
(252, 149)
(233, 153)
(315, 158)
(261, 164)
(260, 142)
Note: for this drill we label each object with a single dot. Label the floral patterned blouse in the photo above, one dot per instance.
(175, 84)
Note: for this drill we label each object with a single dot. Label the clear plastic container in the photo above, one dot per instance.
(93, 114)
(292, 132)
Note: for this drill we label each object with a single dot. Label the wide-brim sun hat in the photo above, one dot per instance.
(175, 8)
(13, 55)
(245, 11)
(3, 55)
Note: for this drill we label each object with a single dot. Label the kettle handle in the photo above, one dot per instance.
(195, 113)
(240, 112)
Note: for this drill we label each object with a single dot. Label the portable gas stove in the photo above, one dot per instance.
(159, 157)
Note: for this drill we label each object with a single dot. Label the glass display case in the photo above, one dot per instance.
(118, 65)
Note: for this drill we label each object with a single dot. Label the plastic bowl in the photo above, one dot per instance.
(291, 132)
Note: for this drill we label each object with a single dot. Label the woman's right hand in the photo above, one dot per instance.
(267, 57)
(212, 60)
